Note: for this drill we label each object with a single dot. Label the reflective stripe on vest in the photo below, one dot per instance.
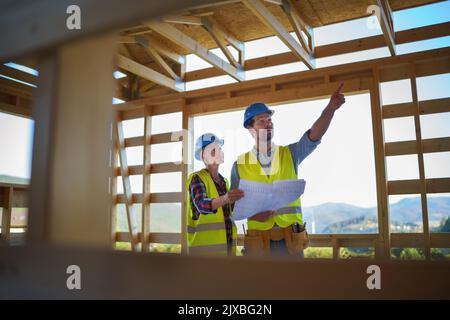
(288, 210)
(282, 168)
(207, 227)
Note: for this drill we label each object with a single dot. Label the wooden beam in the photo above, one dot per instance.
(14, 88)
(298, 86)
(154, 168)
(277, 2)
(147, 73)
(384, 18)
(128, 196)
(17, 74)
(20, 195)
(160, 61)
(191, 20)
(291, 92)
(155, 139)
(220, 40)
(422, 33)
(398, 240)
(146, 178)
(44, 106)
(419, 144)
(298, 25)
(6, 214)
(186, 169)
(127, 39)
(123, 50)
(437, 185)
(373, 42)
(389, 14)
(70, 106)
(147, 41)
(113, 187)
(216, 26)
(17, 107)
(336, 249)
(184, 41)
(147, 86)
(425, 107)
(135, 111)
(162, 197)
(181, 71)
(384, 242)
(258, 8)
(155, 276)
(410, 147)
(416, 240)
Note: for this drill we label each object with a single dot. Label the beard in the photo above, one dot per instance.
(265, 135)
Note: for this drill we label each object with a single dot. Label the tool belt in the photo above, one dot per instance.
(257, 242)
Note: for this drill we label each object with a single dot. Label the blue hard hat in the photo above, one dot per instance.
(203, 141)
(254, 110)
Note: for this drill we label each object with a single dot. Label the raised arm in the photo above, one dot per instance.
(321, 125)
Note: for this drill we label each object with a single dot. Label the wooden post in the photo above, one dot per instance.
(187, 168)
(69, 199)
(131, 218)
(113, 191)
(336, 249)
(6, 214)
(383, 247)
(146, 174)
(423, 183)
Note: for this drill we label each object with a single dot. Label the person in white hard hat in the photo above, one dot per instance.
(210, 228)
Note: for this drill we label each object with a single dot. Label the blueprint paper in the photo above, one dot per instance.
(266, 196)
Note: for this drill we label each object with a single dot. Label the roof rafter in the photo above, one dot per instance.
(299, 25)
(185, 41)
(386, 23)
(258, 8)
(149, 74)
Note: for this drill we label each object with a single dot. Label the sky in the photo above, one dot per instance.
(341, 169)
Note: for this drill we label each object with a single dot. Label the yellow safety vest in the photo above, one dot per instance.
(207, 235)
(282, 168)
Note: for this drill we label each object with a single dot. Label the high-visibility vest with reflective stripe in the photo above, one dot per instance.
(282, 168)
(207, 234)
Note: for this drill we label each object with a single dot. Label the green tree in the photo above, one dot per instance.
(318, 253)
(444, 225)
(411, 254)
(437, 254)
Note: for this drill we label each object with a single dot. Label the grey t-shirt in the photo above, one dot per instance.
(299, 151)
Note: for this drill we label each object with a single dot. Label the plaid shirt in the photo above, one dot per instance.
(201, 204)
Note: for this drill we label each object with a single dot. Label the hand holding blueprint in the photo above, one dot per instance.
(266, 196)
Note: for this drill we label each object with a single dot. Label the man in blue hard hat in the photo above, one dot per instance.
(282, 231)
(210, 229)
